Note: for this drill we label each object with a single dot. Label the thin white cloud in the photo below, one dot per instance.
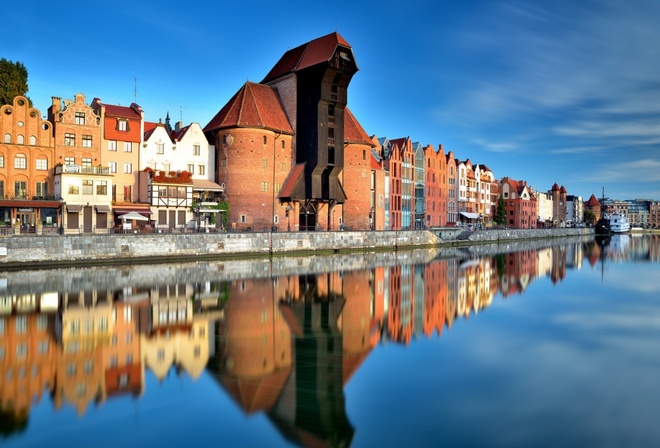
(644, 170)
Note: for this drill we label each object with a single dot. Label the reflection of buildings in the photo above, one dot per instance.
(27, 354)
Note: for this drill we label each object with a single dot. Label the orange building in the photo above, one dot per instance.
(520, 204)
(27, 156)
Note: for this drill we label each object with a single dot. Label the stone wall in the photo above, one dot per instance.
(36, 251)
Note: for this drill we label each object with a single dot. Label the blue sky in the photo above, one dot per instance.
(560, 91)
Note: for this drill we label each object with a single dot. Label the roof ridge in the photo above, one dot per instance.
(256, 106)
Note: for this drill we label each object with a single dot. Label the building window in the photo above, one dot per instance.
(20, 140)
(7, 138)
(33, 140)
(87, 141)
(41, 189)
(243, 219)
(74, 189)
(191, 168)
(160, 148)
(166, 167)
(20, 324)
(283, 144)
(2, 161)
(69, 160)
(264, 163)
(69, 139)
(128, 193)
(87, 162)
(264, 185)
(283, 166)
(122, 125)
(223, 162)
(128, 147)
(87, 187)
(112, 166)
(201, 170)
(196, 150)
(265, 139)
(79, 118)
(128, 168)
(42, 164)
(102, 188)
(112, 145)
(20, 189)
(20, 162)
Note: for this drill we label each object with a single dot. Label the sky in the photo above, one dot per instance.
(564, 92)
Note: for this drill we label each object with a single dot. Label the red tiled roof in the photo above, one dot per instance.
(178, 135)
(375, 165)
(312, 53)
(592, 201)
(555, 187)
(112, 110)
(353, 131)
(253, 106)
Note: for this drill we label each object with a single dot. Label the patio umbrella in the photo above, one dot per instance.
(130, 216)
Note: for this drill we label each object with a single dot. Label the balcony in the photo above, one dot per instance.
(86, 170)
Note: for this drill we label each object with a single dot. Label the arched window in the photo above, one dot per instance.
(7, 138)
(20, 162)
(21, 139)
(33, 140)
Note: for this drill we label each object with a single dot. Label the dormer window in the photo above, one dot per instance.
(122, 125)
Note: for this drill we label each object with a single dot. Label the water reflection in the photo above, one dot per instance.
(282, 341)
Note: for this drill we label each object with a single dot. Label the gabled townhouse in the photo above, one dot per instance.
(521, 211)
(467, 192)
(164, 183)
(654, 214)
(27, 157)
(452, 189)
(486, 193)
(406, 157)
(123, 131)
(443, 187)
(80, 179)
(433, 189)
(393, 164)
(419, 185)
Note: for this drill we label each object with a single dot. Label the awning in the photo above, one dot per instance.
(125, 209)
(470, 215)
(103, 208)
(210, 210)
(206, 185)
(74, 208)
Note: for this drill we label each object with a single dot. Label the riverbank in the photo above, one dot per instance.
(18, 252)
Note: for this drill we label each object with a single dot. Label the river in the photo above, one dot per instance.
(538, 343)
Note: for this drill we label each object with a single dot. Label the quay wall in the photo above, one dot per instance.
(48, 250)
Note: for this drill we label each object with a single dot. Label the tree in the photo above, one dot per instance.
(589, 216)
(13, 81)
(500, 214)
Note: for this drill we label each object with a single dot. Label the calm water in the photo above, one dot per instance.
(548, 344)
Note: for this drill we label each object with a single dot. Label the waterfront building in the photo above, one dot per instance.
(452, 189)
(544, 208)
(521, 210)
(654, 214)
(27, 155)
(433, 190)
(123, 133)
(362, 179)
(574, 209)
(80, 180)
(393, 165)
(594, 205)
(419, 185)
(406, 156)
(486, 200)
(558, 195)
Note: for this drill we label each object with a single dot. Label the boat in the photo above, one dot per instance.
(603, 227)
(619, 223)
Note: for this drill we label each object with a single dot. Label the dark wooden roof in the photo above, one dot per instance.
(307, 55)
